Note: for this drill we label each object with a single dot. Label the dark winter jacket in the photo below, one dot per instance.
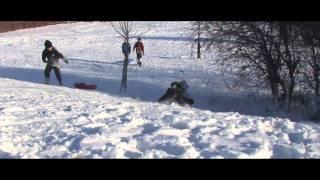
(126, 48)
(139, 47)
(52, 57)
(176, 94)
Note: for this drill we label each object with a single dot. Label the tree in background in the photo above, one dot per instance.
(123, 28)
(196, 28)
(277, 55)
(126, 30)
(310, 32)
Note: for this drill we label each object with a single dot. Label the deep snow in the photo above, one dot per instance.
(40, 121)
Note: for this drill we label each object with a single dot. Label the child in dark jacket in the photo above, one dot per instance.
(126, 49)
(177, 93)
(51, 56)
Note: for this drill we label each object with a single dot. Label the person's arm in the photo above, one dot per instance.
(59, 54)
(142, 48)
(44, 55)
(169, 94)
(135, 46)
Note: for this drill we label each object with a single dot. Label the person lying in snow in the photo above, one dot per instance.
(177, 93)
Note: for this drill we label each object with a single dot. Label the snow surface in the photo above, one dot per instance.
(41, 121)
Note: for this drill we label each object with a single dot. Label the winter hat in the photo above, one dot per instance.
(174, 84)
(184, 84)
(48, 44)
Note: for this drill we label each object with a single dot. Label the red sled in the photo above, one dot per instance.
(85, 86)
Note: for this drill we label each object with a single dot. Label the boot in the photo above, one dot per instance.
(46, 81)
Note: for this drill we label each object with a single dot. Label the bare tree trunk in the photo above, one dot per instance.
(286, 34)
(290, 91)
(275, 93)
(198, 39)
(124, 74)
(123, 28)
(316, 72)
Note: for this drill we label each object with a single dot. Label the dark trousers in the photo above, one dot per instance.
(139, 56)
(126, 56)
(56, 70)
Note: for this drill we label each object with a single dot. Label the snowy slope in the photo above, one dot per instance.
(40, 121)
(95, 52)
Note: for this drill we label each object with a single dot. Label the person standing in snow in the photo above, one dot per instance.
(51, 56)
(126, 49)
(138, 46)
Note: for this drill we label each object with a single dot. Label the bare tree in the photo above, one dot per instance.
(282, 55)
(310, 32)
(252, 48)
(123, 28)
(196, 28)
(198, 40)
(292, 54)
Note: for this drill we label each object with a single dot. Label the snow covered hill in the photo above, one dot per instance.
(41, 121)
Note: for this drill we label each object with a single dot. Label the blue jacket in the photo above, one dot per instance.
(126, 48)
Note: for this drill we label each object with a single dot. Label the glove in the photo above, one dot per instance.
(66, 61)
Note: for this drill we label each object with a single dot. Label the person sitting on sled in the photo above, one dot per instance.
(138, 46)
(177, 93)
(51, 56)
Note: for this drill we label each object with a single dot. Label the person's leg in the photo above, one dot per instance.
(47, 72)
(126, 58)
(58, 74)
(180, 100)
(139, 58)
(188, 100)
